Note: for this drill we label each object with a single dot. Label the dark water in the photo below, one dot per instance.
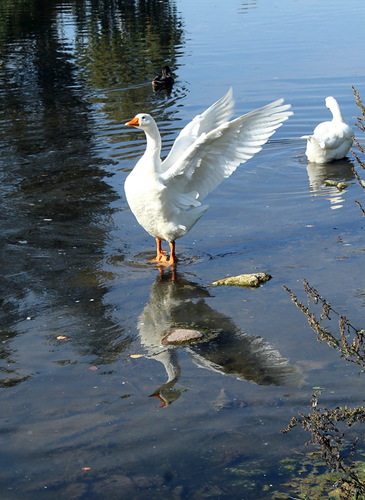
(83, 313)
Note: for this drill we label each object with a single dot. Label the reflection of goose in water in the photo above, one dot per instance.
(339, 171)
(226, 349)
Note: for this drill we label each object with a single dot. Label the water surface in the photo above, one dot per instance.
(83, 313)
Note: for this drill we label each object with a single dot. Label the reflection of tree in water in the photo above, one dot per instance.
(121, 45)
(227, 350)
(55, 201)
(127, 41)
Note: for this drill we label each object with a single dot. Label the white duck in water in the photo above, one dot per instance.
(330, 140)
(165, 196)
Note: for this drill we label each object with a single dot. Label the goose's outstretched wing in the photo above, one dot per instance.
(217, 114)
(216, 155)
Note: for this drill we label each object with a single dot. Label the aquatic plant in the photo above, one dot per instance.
(327, 425)
(353, 349)
(360, 124)
(327, 430)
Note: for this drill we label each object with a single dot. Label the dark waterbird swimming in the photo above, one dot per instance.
(164, 81)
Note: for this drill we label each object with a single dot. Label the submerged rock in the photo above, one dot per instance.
(253, 280)
(182, 336)
(339, 185)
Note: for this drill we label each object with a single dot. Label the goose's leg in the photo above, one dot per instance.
(161, 257)
(173, 259)
(160, 254)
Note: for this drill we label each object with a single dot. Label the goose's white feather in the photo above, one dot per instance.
(331, 140)
(217, 114)
(166, 197)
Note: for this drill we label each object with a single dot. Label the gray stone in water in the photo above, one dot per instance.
(339, 185)
(244, 280)
(181, 336)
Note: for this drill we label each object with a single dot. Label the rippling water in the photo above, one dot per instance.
(83, 313)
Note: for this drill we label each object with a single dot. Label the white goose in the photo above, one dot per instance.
(331, 140)
(165, 196)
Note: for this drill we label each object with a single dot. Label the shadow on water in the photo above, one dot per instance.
(227, 350)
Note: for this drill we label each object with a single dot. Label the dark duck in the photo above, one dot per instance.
(164, 81)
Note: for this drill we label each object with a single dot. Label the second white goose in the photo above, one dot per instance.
(330, 140)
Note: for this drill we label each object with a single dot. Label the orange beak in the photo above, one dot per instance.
(133, 123)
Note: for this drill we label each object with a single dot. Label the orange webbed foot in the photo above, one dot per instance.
(162, 258)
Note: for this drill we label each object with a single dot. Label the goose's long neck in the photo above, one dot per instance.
(336, 112)
(153, 148)
(150, 162)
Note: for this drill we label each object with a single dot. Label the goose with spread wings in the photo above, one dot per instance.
(166, 196)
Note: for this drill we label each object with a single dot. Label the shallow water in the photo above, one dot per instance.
(83, 312)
